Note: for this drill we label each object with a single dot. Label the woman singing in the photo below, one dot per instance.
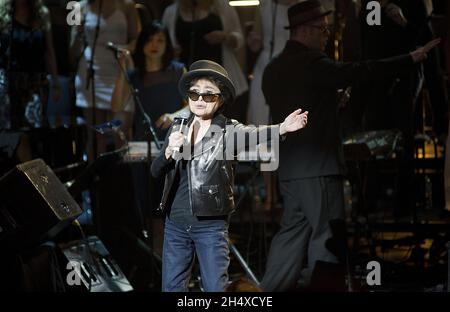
(198, 192)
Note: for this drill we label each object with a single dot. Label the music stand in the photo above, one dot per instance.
(150, 133)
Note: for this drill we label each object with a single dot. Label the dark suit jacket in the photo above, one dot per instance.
(304, 78)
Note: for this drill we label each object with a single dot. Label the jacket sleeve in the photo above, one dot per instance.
(244, 137)
(325, 71)
(161, 164)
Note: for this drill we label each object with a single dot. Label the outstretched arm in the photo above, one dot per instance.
(341, 75)
(294, 122)
(247, 137)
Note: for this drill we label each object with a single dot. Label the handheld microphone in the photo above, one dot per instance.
(180, 123)
(181, 119)
(110, 126)
(118, 50)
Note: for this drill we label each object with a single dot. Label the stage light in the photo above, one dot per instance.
(244, 3)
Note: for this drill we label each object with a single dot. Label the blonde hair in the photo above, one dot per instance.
(38, 17)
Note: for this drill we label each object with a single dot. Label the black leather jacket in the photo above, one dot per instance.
(210, 177)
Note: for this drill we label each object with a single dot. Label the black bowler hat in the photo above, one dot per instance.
(303, 12)
(206, 68)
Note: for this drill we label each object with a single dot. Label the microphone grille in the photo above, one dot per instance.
(183, 115)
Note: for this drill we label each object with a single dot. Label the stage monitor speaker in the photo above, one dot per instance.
(94, 266)
(34, 206)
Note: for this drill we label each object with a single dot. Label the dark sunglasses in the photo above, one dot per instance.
(207, 97)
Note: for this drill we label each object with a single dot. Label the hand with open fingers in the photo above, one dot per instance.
(295, 121)
(420, 54)
(431, 44)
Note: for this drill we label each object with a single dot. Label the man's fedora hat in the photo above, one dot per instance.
(206, 68)
(303, 12)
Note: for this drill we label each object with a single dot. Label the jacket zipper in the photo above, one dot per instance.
(206, 150)
(190, 185)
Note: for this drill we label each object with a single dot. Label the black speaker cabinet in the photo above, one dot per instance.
(34, 205)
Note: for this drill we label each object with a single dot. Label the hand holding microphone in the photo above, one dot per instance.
(176, 141)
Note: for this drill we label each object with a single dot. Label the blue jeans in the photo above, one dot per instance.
(209, 240)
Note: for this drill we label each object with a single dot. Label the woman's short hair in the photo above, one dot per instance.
(146, 34)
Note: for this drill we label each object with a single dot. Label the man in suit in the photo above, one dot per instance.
(311, 162)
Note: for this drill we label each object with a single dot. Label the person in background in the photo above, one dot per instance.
(155, 74)
(405, 24)
(311, 162)
(118, 23)
(269, 37)
(207, 29)
(26, 58)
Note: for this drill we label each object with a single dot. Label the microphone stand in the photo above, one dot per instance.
(137, 101)
(91, 75)
(147, 244)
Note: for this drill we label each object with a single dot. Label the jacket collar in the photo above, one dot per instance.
(218, 120)
(211, 138)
